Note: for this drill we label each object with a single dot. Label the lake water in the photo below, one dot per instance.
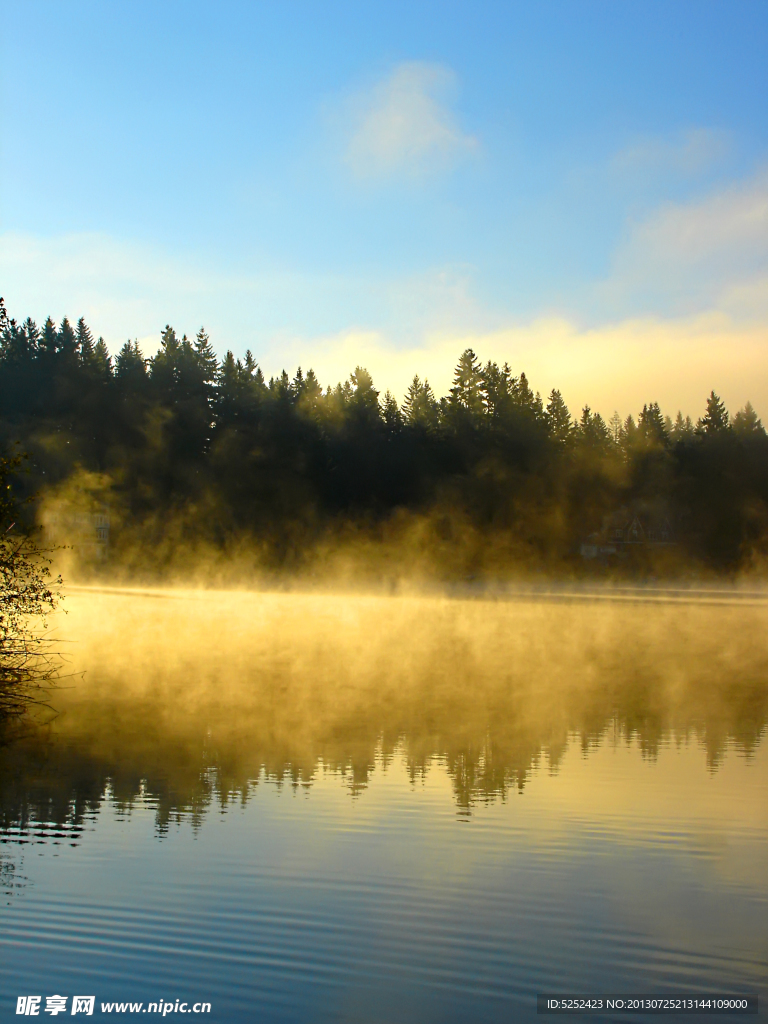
(339, 808)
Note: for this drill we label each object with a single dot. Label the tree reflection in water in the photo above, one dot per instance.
(190, 700)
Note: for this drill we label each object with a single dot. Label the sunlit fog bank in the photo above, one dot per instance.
(195, 697)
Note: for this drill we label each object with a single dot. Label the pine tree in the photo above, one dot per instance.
(164, 365)
(49, 339)
(311, 394)
(206, 361)
(297, 384)
(522, 394)
(682, 428)
(393, 419)
(592, 430)
(616, 428)
(84, 342)
(102, 361)
(716, 417)
(497, 387)
(411, 400)
(746, 421)
(420, 408)
(335, 403)
(233, 383)
(651, 425)
(312, 389)
(33, 336)
(18, 345)
(131, 367)
(364, 401)
(467, 391)
(558, 418)
(282, 388)
(67, 341)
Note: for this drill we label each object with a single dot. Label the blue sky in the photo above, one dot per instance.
(580, 188)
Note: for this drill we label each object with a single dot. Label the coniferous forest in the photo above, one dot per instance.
(184, 452)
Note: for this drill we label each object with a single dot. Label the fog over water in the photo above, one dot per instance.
(435, 806)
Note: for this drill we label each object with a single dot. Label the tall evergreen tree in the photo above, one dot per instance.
(420, 407)
(716, 417)
(498, 386)
(467, 391)
(102, 361)
(67, 341)
(84, 342)
(592, 431)
(651, 426)
(682, 428)
(393, 418)
(311, 394)
(364, 402)
(629, 434)
(558, 418)
(131, 367)
(746, 422)
(616, 428)
(207, 363)
(49, 339)
(164, 365)
(522, 393)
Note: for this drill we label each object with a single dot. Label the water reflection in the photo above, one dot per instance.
(190, 700)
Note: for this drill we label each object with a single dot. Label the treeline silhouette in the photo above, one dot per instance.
(193, 445)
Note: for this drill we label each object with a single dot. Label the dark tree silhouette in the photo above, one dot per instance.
(194, 447)
(716, 416)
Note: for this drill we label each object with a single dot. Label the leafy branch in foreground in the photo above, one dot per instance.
(28, 592)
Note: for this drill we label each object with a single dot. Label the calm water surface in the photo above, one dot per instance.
(313, 808)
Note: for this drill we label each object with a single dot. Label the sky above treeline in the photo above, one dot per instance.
(578, 188)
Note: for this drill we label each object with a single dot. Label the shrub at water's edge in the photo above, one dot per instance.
(28, 591)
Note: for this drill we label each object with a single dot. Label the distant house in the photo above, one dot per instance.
(627, 529)
(100, 523)
(86, 532)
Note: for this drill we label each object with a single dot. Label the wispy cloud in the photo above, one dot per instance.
(687, 153)
(404, 125)
(686, 256)
(119, 286)
(126, 287)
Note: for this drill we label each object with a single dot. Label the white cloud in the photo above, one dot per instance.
(686, 256)
(686, 153)
(112, 283)
(404, 124)
(125, 288)
(747, 299)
